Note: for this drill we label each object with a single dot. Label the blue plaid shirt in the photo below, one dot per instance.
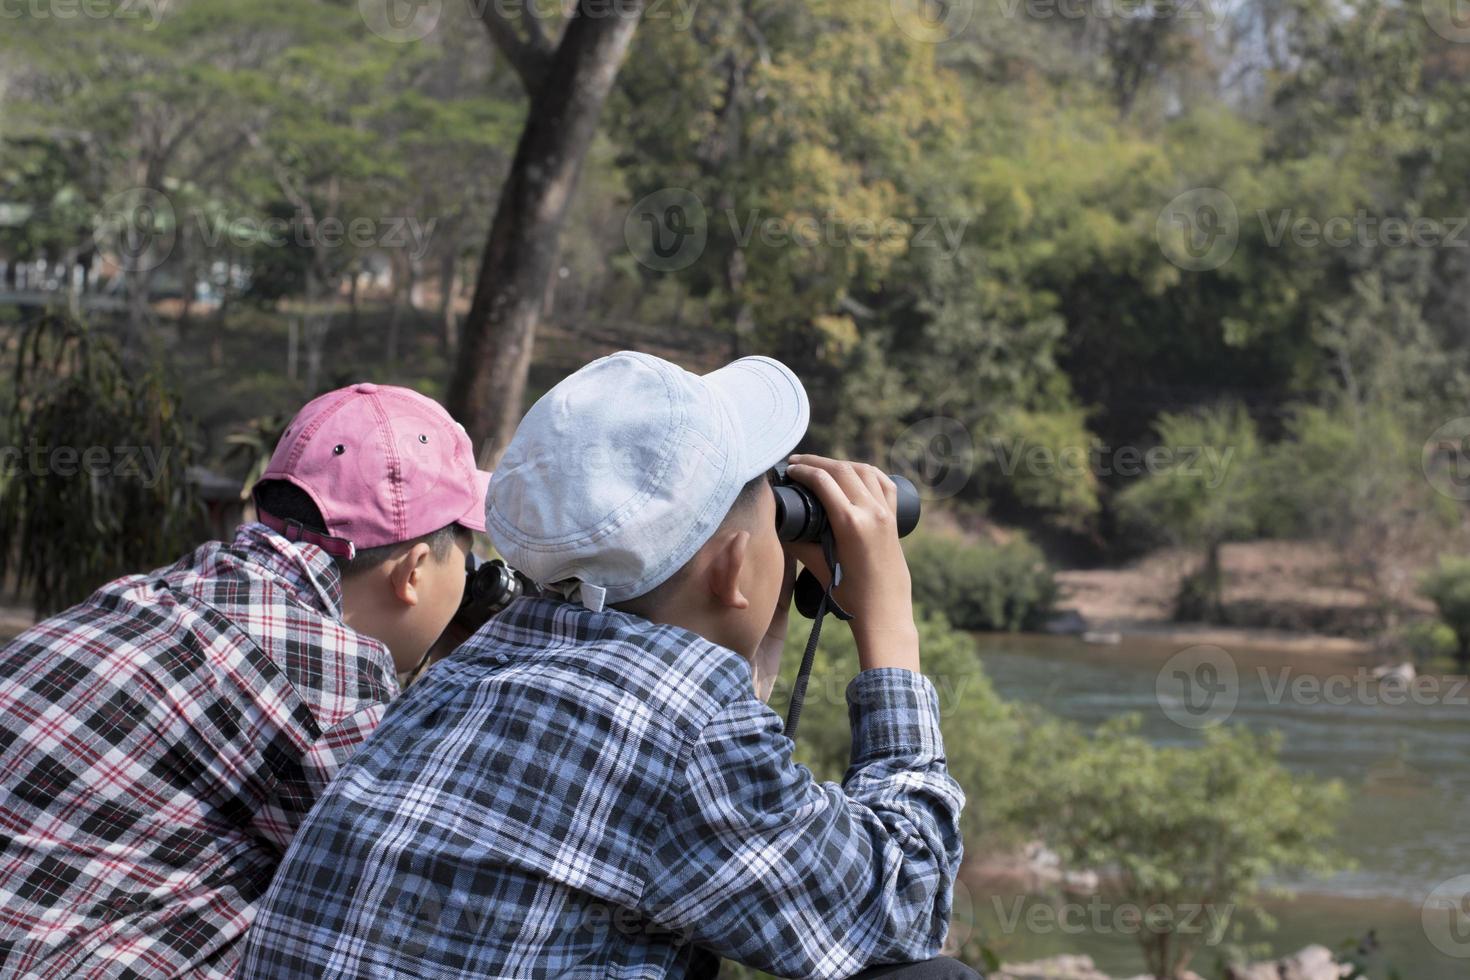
(590, 795)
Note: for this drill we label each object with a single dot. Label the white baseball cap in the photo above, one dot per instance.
(619, 474)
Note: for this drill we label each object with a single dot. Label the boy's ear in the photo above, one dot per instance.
(723, 577)
(406, 574)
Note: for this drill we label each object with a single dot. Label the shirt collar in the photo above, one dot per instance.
(310, 571)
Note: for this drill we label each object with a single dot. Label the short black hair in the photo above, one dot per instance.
(650, 601)
(290, 503)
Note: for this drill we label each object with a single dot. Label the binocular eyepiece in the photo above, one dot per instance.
(801, 517)
(489, 587)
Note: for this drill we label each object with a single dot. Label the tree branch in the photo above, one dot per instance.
(530, 55)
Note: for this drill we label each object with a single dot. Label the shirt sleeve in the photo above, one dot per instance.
(279, 819)
(767, 867)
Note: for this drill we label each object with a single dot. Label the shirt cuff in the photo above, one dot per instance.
(893, 712)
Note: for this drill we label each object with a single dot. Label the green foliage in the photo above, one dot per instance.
(1203, 490)
(1184, 827)
(979, 586)
(1426, 641)
(989, 743)
(1448, 587)
(94, 483)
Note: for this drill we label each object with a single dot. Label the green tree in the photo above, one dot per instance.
(1205, 492)
(1185, 835)
(1448, 587)
(94, 482)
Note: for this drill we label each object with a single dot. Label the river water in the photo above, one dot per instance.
(1403, 752)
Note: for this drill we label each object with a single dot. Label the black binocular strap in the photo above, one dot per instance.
(825, 605)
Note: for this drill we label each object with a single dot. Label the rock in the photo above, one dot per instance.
(1040, 857)
(1083, 882)
(1054, 968)
(1315, 962)
(1104, 639)
(1066, 621)
(1398, 673)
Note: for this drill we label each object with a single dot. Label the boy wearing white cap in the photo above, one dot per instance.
(591, 785)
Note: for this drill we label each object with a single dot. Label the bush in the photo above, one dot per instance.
(1448, 586)
(989, 742)
(1185, 829)
(982, 586)
(1425, 641)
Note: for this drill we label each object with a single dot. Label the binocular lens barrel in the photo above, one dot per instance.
(800, 516)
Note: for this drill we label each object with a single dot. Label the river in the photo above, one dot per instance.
(1403, 752)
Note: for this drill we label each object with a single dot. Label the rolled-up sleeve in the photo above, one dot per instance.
(770, 868)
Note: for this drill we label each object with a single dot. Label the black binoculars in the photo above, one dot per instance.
(800, 516)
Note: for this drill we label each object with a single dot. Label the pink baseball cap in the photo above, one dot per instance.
(383, 464)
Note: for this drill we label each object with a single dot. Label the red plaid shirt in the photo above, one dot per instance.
(159, 745)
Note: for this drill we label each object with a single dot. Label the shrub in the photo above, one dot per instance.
(988, 740)
(1448, 586)
(1426, 641)
(982, 586)
(1185, 830)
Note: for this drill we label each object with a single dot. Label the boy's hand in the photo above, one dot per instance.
(861, 503)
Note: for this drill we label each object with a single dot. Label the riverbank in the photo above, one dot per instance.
(1283, 596)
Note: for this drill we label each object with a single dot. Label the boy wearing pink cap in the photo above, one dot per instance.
(161, 742)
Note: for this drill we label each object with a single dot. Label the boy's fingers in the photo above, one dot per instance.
(844, 474)
(821, 483)
(879, 486)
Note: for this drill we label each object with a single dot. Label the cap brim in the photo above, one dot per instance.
(768, 404)
(474, 518)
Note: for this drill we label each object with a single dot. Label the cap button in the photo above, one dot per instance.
(366, 388)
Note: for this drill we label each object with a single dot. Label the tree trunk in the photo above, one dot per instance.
(519, 259)
(448, 265)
